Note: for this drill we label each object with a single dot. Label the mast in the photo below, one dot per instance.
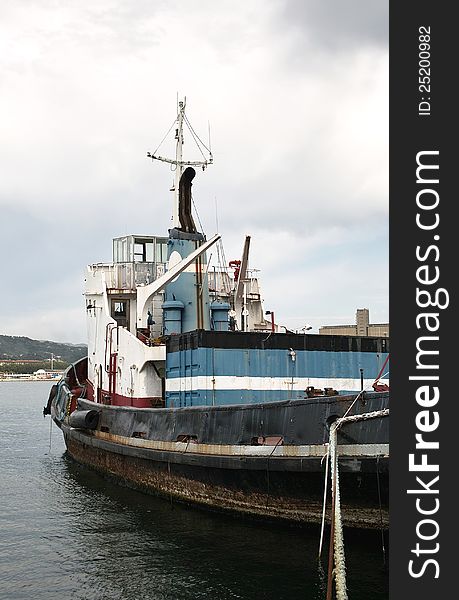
(178, 162)
(189, 292)
(240, 293)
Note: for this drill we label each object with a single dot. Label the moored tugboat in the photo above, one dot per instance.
(187, 390)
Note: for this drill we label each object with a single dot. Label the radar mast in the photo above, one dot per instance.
(178, 163)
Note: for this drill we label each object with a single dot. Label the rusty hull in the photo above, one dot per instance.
(294, 498)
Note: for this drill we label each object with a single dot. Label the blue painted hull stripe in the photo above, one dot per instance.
(272, 363)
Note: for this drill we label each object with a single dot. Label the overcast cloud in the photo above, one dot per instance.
(296, 92)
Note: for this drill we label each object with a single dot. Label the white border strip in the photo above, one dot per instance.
(221, 382)
(305, 451)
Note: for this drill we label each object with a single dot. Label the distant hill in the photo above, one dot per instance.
(17, 348)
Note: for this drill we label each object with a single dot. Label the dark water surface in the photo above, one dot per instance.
(67, 533)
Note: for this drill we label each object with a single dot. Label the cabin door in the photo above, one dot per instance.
(120, 312)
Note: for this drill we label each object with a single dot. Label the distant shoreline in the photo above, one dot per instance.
(7, 379)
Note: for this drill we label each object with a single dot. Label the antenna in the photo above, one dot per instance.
(216, 213)
(210, 145)
(178, 162)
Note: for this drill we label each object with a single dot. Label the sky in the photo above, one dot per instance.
(296, 94)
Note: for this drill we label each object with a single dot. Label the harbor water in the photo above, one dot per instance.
(67, 533)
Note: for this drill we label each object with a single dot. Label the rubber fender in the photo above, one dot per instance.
(84, 419)
(52, 395)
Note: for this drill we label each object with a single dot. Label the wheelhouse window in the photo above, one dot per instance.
(140, 249)
(143, 251)
(161, 251)
(139, 252)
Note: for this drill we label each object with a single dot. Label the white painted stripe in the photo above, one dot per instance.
(203, 382)
(304, 451)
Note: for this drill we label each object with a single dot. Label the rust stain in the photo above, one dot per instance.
(164, 479)
(192, 447)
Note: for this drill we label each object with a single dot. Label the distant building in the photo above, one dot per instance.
(47, 375)
(40, 374)
(362, 326)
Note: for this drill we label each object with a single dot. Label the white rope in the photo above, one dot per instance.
(376, 414)
(339, 556)
(324, 504)
(326, 478)
(338, 542)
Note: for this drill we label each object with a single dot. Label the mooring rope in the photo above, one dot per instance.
(380, 513)
(364, 417)
(50, 433)
(326, 456)
(338, 540)
(322, 527)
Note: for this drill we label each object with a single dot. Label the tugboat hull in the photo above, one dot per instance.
(174, 453)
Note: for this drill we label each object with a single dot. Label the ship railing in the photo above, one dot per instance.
(130, 275)
(223, 283)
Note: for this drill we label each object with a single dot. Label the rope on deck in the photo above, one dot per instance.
(322, 527)
(338, 540)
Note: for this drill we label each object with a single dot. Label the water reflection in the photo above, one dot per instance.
(67, 533)
(171, 551)
(189, 553)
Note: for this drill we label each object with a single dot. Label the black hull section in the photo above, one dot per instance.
(297, 422)
(260, 487)
(263, 460)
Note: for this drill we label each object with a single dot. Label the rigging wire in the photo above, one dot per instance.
(225, 289)
(197, 214)
(210, 145)
(197, 140)
(197, 136)
(193, 135)
(224, 268)
(219, 262)
(216, 214)
(206, 276)
(168, 132)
